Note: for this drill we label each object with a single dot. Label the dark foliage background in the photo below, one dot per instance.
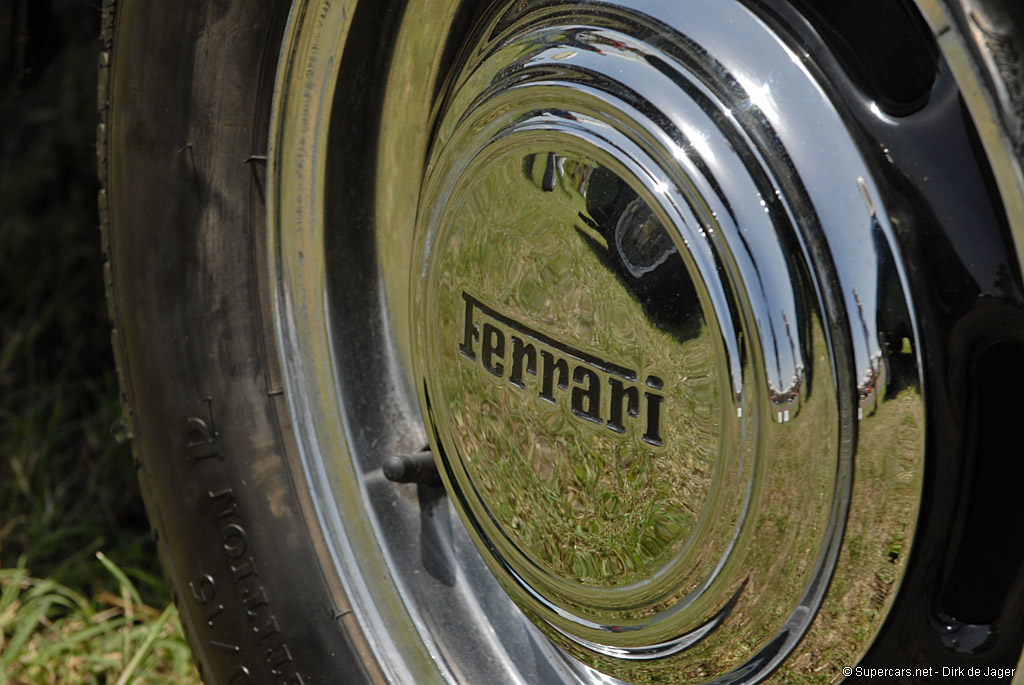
(67, 486)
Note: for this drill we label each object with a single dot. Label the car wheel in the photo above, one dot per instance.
(570, 342)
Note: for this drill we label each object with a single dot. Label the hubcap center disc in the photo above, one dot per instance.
(633, 341)
(562, 306)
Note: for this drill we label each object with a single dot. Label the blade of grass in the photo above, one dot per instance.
(122, 579)
(64, 645)
(27, 623)
(12, 589)
(147, 644)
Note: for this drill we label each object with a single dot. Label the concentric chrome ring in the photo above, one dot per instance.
(661, 210)
(627, 223)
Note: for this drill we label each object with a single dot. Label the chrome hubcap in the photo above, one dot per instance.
(627, 269)
(647, 307)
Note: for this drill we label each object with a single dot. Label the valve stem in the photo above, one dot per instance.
(418, 467)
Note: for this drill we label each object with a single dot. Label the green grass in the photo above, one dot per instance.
(81, 594)
(51, 633)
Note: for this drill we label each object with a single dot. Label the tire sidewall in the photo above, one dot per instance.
(184, 127)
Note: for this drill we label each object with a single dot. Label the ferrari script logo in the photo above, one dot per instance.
(528, 359)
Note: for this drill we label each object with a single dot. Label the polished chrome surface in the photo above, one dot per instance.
(633, 202)
(420, 593)
(657, 206)
(587, 471)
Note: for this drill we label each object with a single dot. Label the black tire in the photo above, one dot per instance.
(199, 402)
(200, 299)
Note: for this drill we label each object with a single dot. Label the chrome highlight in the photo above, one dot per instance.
(612, 176)
(646, 192)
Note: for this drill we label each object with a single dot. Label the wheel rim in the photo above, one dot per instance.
(709, 190)
(681, 122)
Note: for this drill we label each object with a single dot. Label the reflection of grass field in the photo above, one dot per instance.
(887, 483)
(588, 505)
(607, 511)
